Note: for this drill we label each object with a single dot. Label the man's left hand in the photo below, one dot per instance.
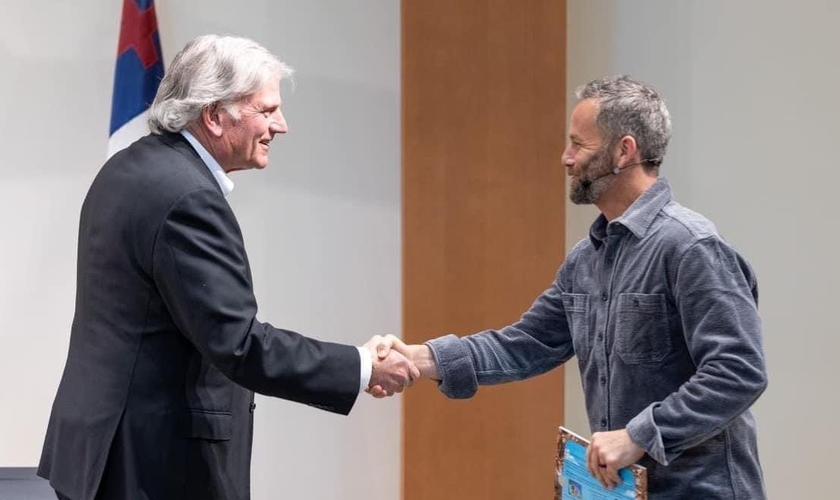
(610, 451)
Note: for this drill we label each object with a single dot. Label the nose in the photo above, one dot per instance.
(568, 157)
(278, 123)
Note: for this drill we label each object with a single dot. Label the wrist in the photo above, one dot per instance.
(425, 362)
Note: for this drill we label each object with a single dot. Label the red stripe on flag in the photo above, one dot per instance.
(136, 32)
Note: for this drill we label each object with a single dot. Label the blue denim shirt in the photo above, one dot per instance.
(662, 315)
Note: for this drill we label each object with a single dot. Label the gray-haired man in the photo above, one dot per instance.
(156, 400)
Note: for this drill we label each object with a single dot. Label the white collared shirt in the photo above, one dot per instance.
(226, 186)
(218, 173)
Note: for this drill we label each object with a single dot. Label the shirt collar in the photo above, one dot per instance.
(639, 216)
(225, 184)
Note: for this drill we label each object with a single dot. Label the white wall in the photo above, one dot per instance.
(752, 87)
(322, 223)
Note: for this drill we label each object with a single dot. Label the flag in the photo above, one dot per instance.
(138, 73)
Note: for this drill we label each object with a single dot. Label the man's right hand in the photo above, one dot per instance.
(391, 373)
(420, 356)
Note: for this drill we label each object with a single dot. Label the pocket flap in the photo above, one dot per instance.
(204, 424)
(642, 303)
(576, 302)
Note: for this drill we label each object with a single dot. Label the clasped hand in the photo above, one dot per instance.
(397, 365)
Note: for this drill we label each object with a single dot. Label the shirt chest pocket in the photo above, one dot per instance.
(641, 332)
(577, 316)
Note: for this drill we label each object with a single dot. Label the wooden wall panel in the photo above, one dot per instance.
(483, 89)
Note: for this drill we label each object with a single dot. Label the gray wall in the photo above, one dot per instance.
(752, 88)
(322, 223)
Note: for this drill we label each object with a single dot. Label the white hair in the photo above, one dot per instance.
(212, 69)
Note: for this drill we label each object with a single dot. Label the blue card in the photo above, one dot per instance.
(574, 482)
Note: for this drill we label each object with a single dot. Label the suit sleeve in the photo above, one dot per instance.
(201, 271)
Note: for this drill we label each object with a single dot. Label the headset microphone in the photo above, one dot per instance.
(616, 170)
(654, 161)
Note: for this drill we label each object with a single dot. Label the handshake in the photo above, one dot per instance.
(397, 365)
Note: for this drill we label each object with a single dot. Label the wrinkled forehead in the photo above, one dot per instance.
(267, 95)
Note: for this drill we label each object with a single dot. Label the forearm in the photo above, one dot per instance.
(536, 343)
(699, 410)
(492, 357)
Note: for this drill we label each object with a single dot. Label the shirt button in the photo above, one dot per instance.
(603, 380)
(600, 335)
(604, 296)
(604, 423)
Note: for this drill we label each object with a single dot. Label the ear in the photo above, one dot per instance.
(626, 151)
(211, 119)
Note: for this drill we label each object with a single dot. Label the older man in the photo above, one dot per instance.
(156, 399)
(660, 311)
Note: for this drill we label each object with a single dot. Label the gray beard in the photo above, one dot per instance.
(586, 192)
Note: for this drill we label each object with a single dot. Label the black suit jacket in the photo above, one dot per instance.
(156, 398)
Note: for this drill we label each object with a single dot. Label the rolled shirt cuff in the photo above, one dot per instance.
(644, 432)
(455, 367)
